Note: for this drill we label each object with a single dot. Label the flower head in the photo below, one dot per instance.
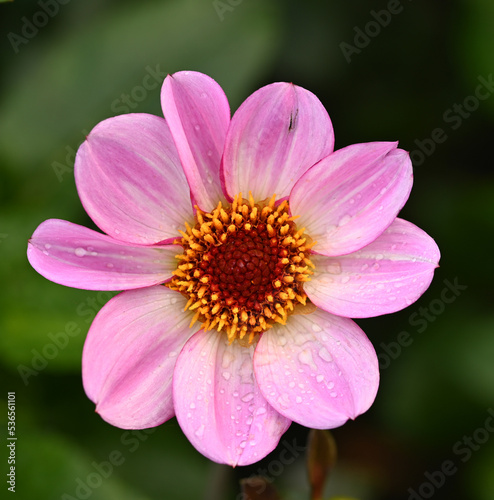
(242, 247)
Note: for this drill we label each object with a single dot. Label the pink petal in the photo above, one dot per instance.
(130, 353)
(130, 179)
(76, 256)
(348, 199)
(387, 275)
(319, 370)
(198, 113)
(278, 133)
(218, 403)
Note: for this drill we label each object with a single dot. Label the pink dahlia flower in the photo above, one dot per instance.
(234, 314)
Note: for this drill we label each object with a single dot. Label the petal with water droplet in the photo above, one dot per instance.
(339, 374)
(126, 368)
(321, 197)
(385, 276)
(76, 256)
(234, 424)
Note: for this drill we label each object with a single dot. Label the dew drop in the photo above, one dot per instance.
(248, 397)
(316, 327)
(345, 279)
(261, 411)
(200, 431)
(333, 394)
(333, 267)
(291, 385)
(344, 220)
(226, 375)
(197, 127)
(320, 378)
(80, 252)
(298, 399)
(330, 385)
(325, 355)
(192, 406)
(379, 256)
(109, 265)
(305, 357)
(47, 246)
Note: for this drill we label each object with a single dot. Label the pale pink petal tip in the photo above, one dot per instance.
(383, 277)
(218, 403)
(350, 197)
(130, 354)
(75, 256)
(275, 136)
(198, 113)
(319, 370)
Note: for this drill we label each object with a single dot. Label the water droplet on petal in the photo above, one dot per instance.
(325, 355)
(316, 327)
(320, 378)
(47, 246)
(109, 265)
(298, 399)
(305, 357)
(333, 267)
(80, 252)
(200, 431)
(344, 220)
(333, 394)
(226, 375)
(248, 397)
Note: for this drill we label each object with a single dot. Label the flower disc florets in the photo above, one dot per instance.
(243, 267)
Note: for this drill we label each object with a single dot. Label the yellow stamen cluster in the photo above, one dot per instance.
(243, 267)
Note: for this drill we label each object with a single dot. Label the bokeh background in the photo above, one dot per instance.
(420, 72)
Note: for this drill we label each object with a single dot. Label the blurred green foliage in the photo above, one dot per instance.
(411, 72)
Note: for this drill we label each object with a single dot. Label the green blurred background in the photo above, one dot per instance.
(417, 71)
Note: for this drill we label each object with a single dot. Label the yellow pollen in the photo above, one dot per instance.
(243, 267)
